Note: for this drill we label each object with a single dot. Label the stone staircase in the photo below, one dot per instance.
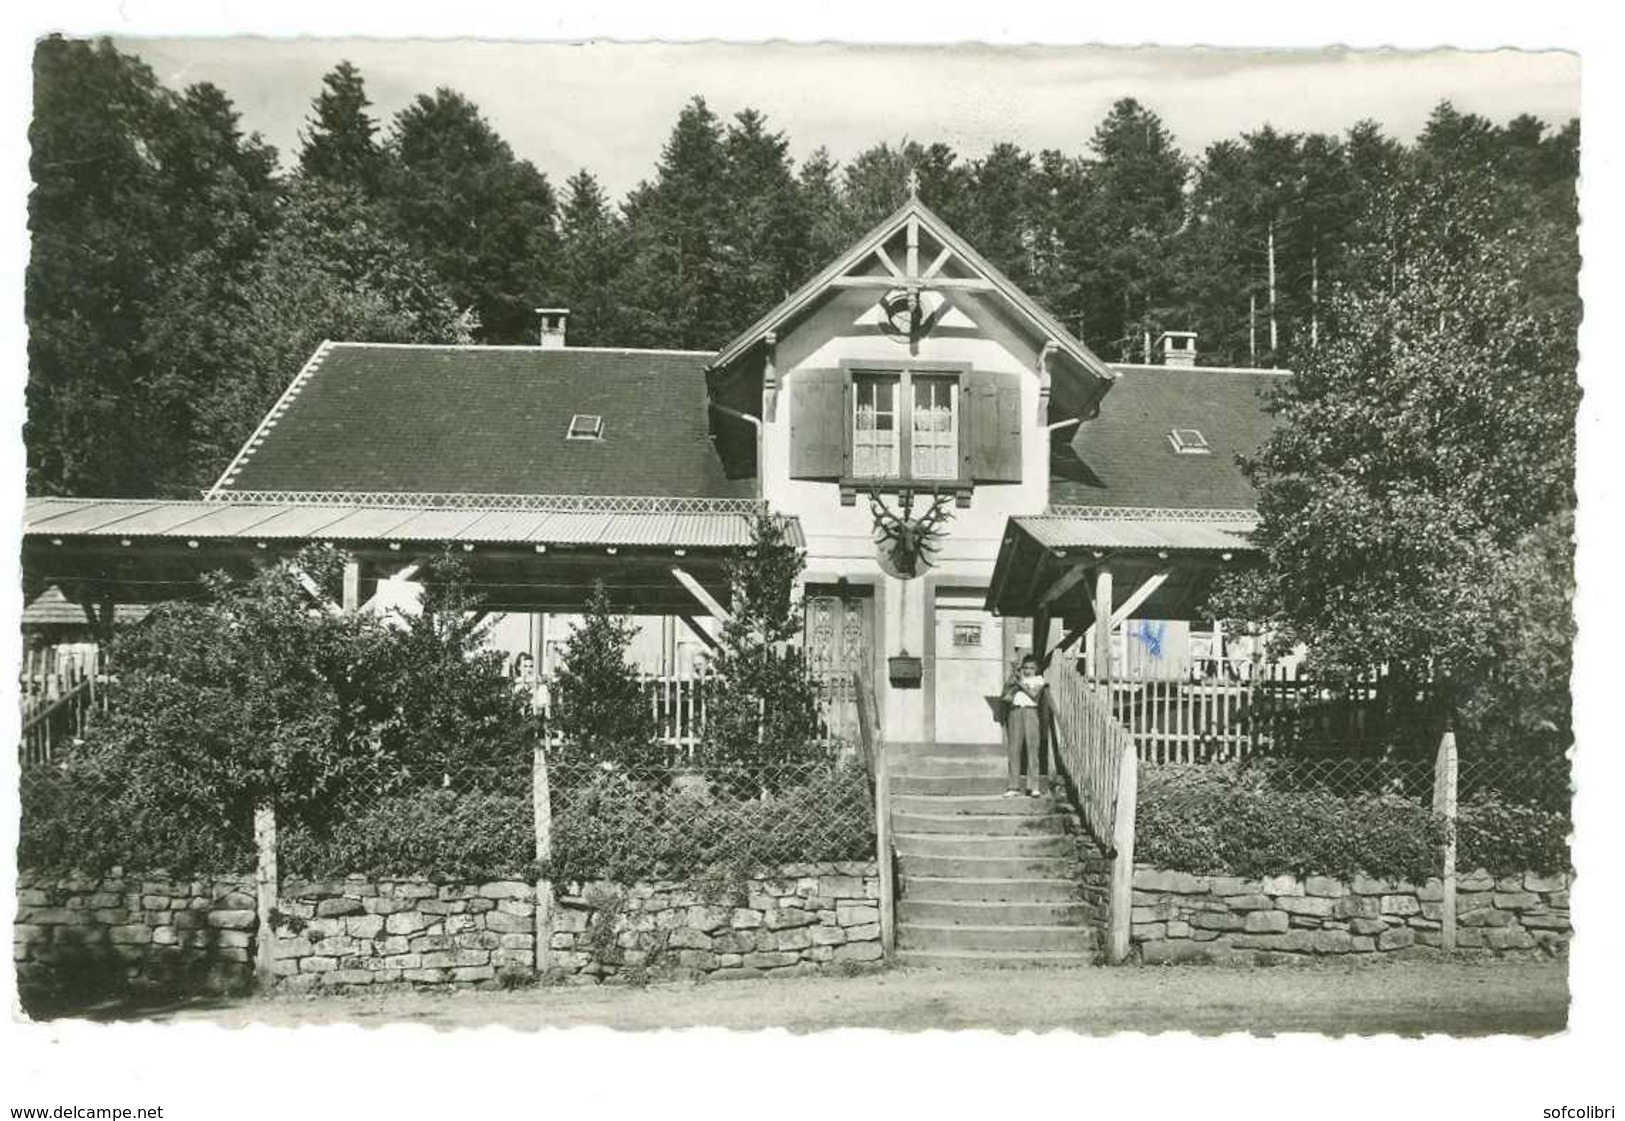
(983, 879)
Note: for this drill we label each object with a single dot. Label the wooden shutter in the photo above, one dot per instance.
(817, 424)
(990, 427)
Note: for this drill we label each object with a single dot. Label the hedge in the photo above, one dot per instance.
(1508, 837)
(1226, 826)
(615, 827)
(435, 832)
(1220, 821)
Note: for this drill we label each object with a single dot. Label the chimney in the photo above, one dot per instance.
(1178, 348)
(553, 322)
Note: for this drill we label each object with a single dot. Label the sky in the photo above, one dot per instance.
(609, 106)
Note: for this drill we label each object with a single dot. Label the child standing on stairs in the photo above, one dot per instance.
(1027, 695)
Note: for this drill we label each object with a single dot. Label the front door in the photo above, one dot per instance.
(838, 627)
(970, 669)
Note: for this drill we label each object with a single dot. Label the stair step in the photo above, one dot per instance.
(988, 824)
(982, 959)
(988, 889)
(978, 912)
(982, 845)
(910, 750)
(949, 784)
(977, 804)
(1027, 939)
(990, 867)
(928, 765)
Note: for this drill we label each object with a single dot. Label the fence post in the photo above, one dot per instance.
(1122, 883)
(542, 811)
(265, 889)
(1444, 804)
(874, 758)
(883, 854)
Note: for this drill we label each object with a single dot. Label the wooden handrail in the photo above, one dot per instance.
(1097, 757)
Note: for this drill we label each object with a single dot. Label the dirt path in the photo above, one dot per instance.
(1407, 998)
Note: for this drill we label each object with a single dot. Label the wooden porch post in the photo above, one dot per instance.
(1103, 623)
(352, 587)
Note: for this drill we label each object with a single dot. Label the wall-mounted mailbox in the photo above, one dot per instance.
(904, 671)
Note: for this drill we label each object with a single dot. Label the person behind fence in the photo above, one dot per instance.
(1026, 696)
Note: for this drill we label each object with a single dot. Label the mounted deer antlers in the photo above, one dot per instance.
(905, 540)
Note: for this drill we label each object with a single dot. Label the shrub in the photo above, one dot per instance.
(1222, 822)
(439, 833)
(254, 694)
(614, 826)
(598, 700)
(84, 819)
(1508, 837)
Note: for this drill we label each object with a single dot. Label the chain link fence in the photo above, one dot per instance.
(1330, 814)
(671, 822)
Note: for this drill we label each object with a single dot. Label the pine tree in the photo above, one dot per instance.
(1121, 243)
(765, 231)
(672, 286)
(481, 217)
(339, 144)
(591, 251)
(598, 702)
(827, 233)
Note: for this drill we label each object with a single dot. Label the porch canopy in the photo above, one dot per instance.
(1077, 564)
(522, 552)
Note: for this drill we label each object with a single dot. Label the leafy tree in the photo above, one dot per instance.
(333, 271)
(483, 219)
(598, 700)
(1421, 475)
(139, 193)
(340, 146)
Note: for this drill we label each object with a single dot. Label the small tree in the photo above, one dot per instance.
(598, 700)
(763, 712)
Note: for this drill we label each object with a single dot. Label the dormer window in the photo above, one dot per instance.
(586, 426)
(1189, 441)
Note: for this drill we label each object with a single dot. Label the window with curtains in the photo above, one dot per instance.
(934, 428)
(876, 436)
(905, 426)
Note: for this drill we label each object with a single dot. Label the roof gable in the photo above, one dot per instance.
(949, 259)
(387, 418)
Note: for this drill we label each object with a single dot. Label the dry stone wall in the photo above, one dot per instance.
(808, 918)
(1179, 917)
(119, 930)
(335, 934)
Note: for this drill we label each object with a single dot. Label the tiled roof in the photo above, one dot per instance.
(726, 526)
(459, 420)
(1124, 457)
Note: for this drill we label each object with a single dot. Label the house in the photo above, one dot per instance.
(908, 384)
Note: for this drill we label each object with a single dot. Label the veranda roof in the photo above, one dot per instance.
(523, 552)
(1047, 561)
